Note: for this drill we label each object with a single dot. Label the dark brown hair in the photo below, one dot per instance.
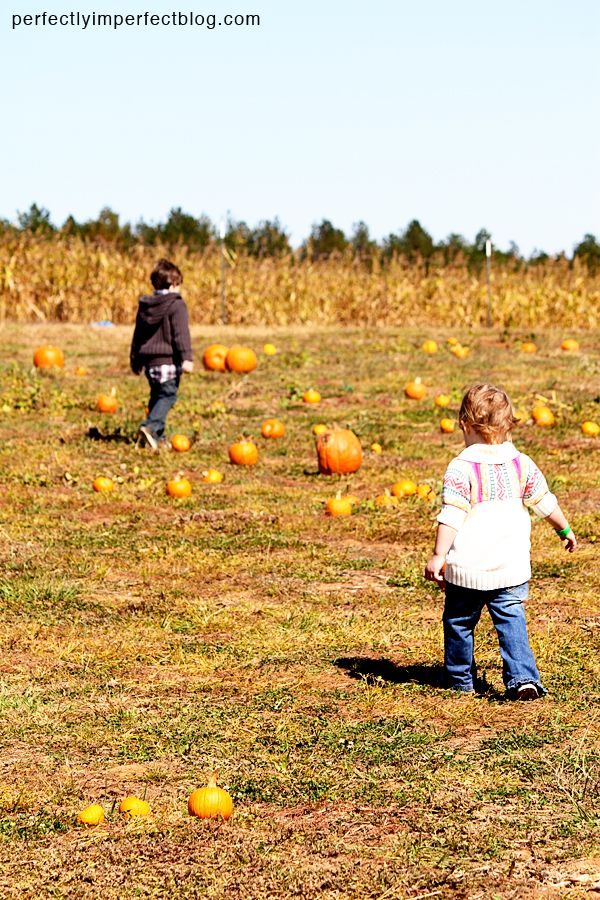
(165, 275)
(487, 410)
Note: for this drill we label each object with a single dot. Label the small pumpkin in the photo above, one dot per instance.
(528, 347)
(447, 426)
(429, 346)
(591, 429)
(543, 416)
(48, 357)
(80, 371)
(570, 345)
(339, 452)
(338, 506)
(181, 443)
(179, 487)
(269, 349)
(319, 429)
(415, 390)
(425, 491)
(91, 815)
(386, 500)
(243, 453)
(452, 341)
(210, 802)
(404, 488)
(241, 359)
(272, 428)
(376, 448)
(211, 476)
(107, 403)
(214, 356)
(133, 806)
(102, 484)
(442, 400)
(311, 396)
(459, 351)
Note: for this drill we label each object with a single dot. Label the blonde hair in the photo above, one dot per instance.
(487, 410)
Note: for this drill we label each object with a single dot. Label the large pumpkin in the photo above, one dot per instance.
(339, 452)
(211, 801)
(47, 357)
(213, 358)
(241, 359)
(243, 453)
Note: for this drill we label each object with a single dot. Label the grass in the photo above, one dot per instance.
(148, 641)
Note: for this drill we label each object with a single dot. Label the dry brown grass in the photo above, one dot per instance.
(70, 281)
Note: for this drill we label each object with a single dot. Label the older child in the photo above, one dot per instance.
(482, 546)
(161, 345)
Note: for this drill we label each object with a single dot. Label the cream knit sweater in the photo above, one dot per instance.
(485, 494)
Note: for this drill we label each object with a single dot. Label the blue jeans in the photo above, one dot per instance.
(162, 398)
(462, 609)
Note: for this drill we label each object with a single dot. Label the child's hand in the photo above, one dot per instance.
(187, 366)
(570, 541)
(434, 570)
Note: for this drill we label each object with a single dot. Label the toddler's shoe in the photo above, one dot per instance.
(527, 691)
(148, 438)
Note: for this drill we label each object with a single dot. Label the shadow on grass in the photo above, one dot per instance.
(117, 436)
(374, 670)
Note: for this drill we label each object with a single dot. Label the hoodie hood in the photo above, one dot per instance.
(154, 307)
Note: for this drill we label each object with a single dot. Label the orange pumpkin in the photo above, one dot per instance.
(591, 429)
(243, 453)
(415, 390)
(80, 371)
(133, 806)
(107, 403)
(179, 487)
(452, 341)
(211, 476)
(447, 426)
(91, 815)
(48, 357)
(214, 356)
(528, 347)
(376, 448)
(442, 400)
(384, 501)
(181, 443)
(272, 428)
(570, 345)
(241, 359)
(311, 396)
(404, 488)
(102, 484)
(425, 491)
(339, 452)
(429, 346)
(338, 506)
(543, 416)
(459, 351)
(210, 802)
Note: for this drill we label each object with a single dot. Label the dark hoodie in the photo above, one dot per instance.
(162, 333)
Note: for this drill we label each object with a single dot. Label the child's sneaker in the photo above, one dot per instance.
(527, 691)
(148, 438)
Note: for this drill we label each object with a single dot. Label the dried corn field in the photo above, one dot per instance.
(69, 280)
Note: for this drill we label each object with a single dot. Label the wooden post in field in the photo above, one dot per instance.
(488, 271)
(223, 294)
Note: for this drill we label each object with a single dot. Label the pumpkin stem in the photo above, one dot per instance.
(212, 781)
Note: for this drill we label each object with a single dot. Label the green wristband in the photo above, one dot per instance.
(564, 532)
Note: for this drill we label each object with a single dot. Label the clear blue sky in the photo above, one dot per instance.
(463, 115)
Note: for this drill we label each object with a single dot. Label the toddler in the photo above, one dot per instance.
(482, 547)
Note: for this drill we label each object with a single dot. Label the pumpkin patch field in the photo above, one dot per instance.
(221, 665)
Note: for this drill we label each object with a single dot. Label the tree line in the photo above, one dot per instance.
(269, 239)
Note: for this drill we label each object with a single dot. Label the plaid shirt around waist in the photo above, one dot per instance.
(165, 372)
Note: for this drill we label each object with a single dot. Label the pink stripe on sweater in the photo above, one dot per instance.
(477, 467)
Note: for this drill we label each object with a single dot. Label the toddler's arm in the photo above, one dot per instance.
(558, 520)
(444, 539)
